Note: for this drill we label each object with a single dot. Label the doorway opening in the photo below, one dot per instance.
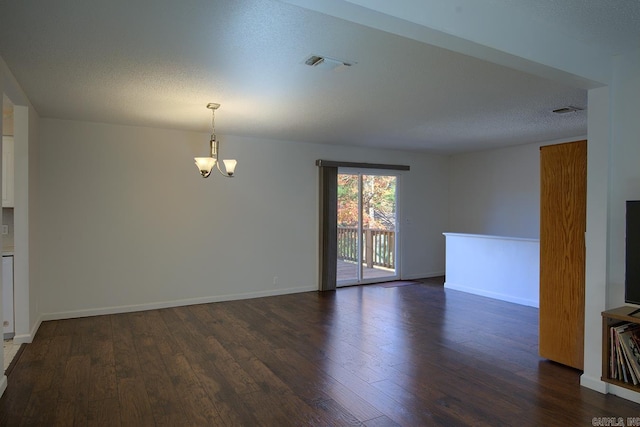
(367, 227)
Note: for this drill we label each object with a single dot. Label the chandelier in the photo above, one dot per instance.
(206, 164)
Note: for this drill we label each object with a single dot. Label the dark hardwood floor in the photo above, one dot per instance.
(411, 355)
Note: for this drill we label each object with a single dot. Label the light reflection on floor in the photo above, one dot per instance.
(364, 340)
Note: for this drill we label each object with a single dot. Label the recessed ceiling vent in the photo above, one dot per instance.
(326, 63)
(567, 109)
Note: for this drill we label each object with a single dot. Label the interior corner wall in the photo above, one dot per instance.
(624, 174)
(26, 118)
(125, 221)
(497, 192)
(27, 272)
(599, 131)
(625, 158)
(3, 378)
(25, 315)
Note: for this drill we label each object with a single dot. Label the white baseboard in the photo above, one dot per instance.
(3, 384)
(602, 387)
(168, 304)
(594, 383)
(28, 338)
(624, 393)
(422, 275)
(494, 295)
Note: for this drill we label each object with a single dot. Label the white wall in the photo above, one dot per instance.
(497, 192)
(596, 235)
(625, 161)
(3, 378)
(624, 185)
(504, 268)
(26, 231)
(124, 219)
(26, 123)
(26, 141)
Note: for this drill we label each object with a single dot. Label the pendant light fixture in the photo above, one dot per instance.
(206, 164)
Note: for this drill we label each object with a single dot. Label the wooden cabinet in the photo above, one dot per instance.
(7, 171)
(611, 318)
(563, 179)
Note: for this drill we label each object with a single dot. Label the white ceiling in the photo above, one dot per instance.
(612, 25)
(159, 62)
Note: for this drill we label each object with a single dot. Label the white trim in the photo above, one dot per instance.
(624, 393)
(594, 383)
(3, 385)
(28, 338)
(422, 275)
(487, 236)
(24, 123)
(169, 304)
(346, 282)
(494, 295)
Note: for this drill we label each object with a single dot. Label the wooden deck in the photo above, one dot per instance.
(348, 270)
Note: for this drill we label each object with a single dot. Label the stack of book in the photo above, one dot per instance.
(625, 353)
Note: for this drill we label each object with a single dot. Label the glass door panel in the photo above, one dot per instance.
(379, 226)
(367, 228)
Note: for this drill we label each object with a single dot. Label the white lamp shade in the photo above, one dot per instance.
(230, 166)
(205, 165)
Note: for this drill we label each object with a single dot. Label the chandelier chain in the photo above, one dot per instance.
(213, 124)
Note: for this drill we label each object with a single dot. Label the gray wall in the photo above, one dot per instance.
(497, 192)
(125, 220)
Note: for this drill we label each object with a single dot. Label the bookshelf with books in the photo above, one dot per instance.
(621, 347)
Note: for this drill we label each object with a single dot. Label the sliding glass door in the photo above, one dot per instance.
(367, 227)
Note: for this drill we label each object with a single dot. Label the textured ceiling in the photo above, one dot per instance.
(159, 62)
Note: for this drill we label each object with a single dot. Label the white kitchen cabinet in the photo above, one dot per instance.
(7, 171)
(7, 297)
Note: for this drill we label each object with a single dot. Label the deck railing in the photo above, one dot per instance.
(378, 246)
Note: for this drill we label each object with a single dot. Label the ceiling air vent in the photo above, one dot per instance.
(567, 109)
(314, 60)
(326, 63)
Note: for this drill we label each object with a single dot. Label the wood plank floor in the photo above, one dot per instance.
(412, 355)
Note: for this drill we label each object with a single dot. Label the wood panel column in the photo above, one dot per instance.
(563, 207)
